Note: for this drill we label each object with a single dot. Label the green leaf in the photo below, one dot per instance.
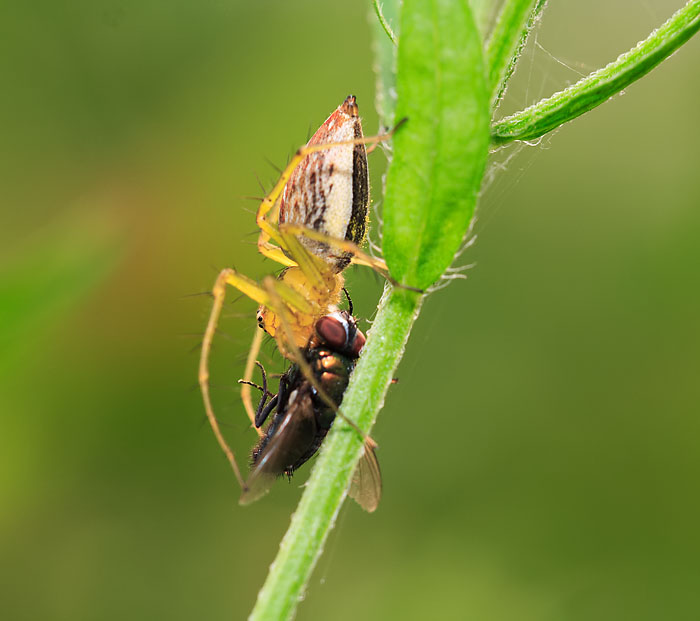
(383, 21)
(440, 154)
(482, 11)
(506, 42)
(385, 60)
(601, 85)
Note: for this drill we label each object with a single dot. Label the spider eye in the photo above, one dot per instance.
(332, 332)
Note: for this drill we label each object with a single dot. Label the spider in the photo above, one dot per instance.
(312, 222)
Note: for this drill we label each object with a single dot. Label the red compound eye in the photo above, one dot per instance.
(332, 332)
(358, 344)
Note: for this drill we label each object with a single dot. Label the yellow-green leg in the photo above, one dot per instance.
(284, 294)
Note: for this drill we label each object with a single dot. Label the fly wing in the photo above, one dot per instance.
(292, 439)
(366, 485)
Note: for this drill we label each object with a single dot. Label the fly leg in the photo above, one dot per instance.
(263, 410)
(279, 398)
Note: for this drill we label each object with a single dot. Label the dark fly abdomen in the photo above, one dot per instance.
(332, 371)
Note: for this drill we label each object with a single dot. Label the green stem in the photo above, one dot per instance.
(507, 40)
(599, 86)
(384, 22)
(385, 62)
(328, 483)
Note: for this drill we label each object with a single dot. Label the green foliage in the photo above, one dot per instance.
(432, 185)
(603, 84)
(385, 60)
(384, 23)
(482, 10)
(506, 42)
(441, 153)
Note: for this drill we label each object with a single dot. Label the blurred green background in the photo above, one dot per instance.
(540, 451)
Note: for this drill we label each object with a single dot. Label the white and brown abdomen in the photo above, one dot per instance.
(329, 191)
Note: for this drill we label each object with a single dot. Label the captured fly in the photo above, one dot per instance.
(301, 417)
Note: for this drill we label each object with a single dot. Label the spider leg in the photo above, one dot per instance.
(284, 295)
(247, 376)
(316, 270)
(275, 253)
(359, 256)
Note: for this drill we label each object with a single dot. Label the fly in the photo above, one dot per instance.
(301, 418)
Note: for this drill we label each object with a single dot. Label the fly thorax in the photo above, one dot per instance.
(332, 371)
